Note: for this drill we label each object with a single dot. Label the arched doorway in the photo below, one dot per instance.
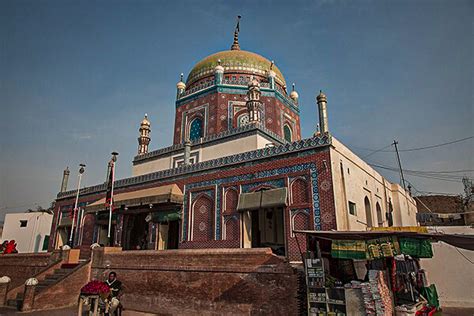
(368, 212)
(378, 209)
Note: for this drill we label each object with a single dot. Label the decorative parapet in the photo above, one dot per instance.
(267, 152)
(208, 139)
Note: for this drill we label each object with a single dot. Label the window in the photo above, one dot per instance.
(23, 223)
(242, 120)
(195, 129)
(352, 208)
(287, 133)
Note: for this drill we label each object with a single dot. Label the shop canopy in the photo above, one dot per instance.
(163, 194)
(456, 240)
(262, 199)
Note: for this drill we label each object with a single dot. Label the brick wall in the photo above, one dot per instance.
(298, 183)
(20, 267)
(65, 292)
(211, 281)
(276, 114)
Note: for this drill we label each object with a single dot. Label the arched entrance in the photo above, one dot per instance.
(368, 212)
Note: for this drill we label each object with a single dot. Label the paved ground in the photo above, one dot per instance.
(453, 311)
(72, 311)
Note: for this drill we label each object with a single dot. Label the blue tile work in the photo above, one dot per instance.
(296, 210)
(277, 183)
(253, 176)
(268, 152)
(209, 193)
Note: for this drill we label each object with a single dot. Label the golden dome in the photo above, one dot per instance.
(234, 61)
(145, 121)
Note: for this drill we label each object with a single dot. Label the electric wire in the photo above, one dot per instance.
(416, 148)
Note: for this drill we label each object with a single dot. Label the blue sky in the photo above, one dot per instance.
(76, 78)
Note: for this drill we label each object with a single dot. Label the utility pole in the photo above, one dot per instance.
(402, 179)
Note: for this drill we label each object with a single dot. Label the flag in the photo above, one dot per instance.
(109, 196)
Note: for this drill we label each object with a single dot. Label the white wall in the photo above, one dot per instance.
(219, 150)
(29, 238)
(450, 271)
(360, 181)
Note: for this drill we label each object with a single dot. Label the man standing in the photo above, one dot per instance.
(116, 289)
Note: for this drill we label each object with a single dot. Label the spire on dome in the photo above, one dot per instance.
(235, 44)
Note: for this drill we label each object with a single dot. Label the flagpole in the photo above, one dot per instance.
(114, 159)
(81, 171)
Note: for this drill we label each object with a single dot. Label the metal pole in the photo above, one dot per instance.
(81, 171)
(114, 159)
(395, 143)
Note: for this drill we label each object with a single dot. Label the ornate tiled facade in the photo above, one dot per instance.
(215, 107)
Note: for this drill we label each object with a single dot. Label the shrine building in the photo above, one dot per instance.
(238, 175)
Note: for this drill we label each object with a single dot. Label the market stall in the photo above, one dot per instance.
(371, 273)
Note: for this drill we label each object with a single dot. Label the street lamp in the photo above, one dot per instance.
(114, 160)
(81, 172)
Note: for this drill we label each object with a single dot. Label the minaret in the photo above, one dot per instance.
(180, 87)
(187, 151)
(218, 73)
(235, 44)
(144, 138)
(65, 180)
(271, 76)
(323, 113)
(294, 95)
(254, 104)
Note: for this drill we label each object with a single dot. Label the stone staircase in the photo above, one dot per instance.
(49, 280)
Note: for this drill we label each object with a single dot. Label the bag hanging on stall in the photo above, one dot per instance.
(418, 248)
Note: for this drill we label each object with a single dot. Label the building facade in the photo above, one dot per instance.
(31, 231)
(238, 173)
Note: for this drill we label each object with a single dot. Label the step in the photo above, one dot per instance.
(15, 303)
(62, 271)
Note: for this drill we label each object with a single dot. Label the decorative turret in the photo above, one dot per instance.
(294, 95)
(323, 114)
(271, 76)
(144, 138)
(65, 180)
(180, 87)
(218, 72)
(254, 104)
(235, 44)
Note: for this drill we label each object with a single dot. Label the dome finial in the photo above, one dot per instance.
(181, 77)
(235, 44)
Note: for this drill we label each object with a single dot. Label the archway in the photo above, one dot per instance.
(368, 212)
(378, 209)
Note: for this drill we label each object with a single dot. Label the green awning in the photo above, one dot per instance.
(165, 217)
(102, 216)
(262, 199)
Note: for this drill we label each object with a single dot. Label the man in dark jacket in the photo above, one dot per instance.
(116, 288)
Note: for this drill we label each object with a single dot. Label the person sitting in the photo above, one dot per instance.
(116, 291)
